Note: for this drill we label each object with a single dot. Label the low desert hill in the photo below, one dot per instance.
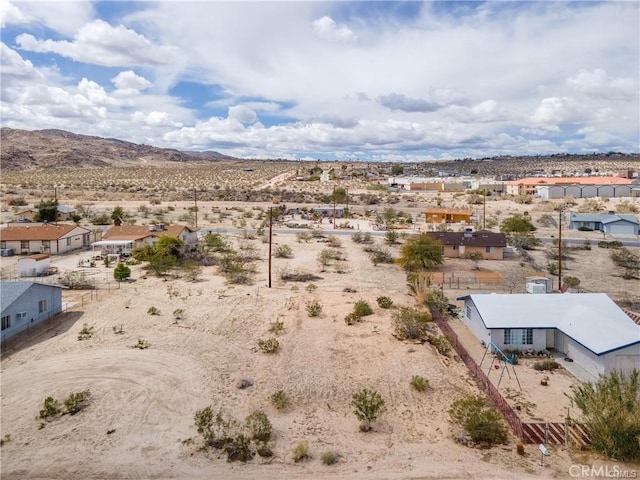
(25, 150)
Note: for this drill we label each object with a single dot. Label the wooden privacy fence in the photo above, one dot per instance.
(555, 433)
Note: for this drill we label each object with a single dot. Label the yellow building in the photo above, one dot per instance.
(447, 215)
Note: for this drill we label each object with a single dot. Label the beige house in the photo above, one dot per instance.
(124, 238)
(460, 244)
(43, 238)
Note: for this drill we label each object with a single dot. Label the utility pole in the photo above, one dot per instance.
(334, 208)
(55, 204)
(270, 241)
(484, 209)
(560, 249)
(195, 203)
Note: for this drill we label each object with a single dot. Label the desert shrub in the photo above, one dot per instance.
(547, 365)
(379, 255)
(142, 344)
(571, 282)
(442, 344)
(352, 318)
(17, 202)
(283, 251)
(611, 411)
(276, 327)
(102, 219)
(546, 220)
(329, 458)
(76, 281)
(86, 332)
(178, 314)
(301, 452)
(216, 430)
(334, 241)
(270, 345)
(436, 300)
(153, 311)
(258, 426)
(419, 383)
(121, 272)
(303, 237)
(312, 287)
(191, 270)
(391, 237)
(298, 275)
(314, 308)
(118, 329)
(77, 401)
(410, 323)
(481, 421)
(362, 308)
(628, 260)
(368, 406)
(50, 408)
(280, 400)
(552, 268)
(360, 237)
(611, 244)
(384, 302)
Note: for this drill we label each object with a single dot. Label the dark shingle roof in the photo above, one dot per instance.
(481, 238)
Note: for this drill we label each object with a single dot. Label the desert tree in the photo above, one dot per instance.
(121, 272)
(118, 216)
(420, 252)
(47, 211)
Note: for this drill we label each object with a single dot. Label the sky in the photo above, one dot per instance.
(347, 80)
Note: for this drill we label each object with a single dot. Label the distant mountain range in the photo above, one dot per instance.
(24, 149)
(39, 149)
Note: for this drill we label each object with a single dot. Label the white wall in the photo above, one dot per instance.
(589, 361)
(539, 338)
(625, 360)
(473, 321)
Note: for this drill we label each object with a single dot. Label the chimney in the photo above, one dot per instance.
(611, 212)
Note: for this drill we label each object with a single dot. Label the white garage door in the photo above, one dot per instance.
(620, 228)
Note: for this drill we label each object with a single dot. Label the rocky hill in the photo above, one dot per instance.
(24, 150)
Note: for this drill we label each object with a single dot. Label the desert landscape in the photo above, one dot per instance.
(140, 421)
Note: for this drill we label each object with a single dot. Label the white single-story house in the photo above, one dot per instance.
(329, 211)
(65, 212)
(35, 265)
(589, 328)
(43, 238)
(25, 304)
(124, 238)
(605, 222)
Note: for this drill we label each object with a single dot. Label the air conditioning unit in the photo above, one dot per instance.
(536, 288)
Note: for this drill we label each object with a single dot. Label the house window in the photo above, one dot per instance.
(6, 322)
(455, 247)
(518, 336)
(68, 241)
(42, 306)
(46, 244)
(24, 244)
(468, 311)
(488, 249)
(21, 315)
(3, 244)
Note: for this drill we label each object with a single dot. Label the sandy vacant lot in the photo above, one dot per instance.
(147, 398)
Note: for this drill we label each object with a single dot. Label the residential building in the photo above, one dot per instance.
(44, 238)
(124, 238)
(605, 222)
(490, 245)
(25, 304)
(577, 187)
(587, 328)
(447, 215)
(36, 265)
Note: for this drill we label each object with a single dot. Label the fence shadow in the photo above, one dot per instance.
(31, 336)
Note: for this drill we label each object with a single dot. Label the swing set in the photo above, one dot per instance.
(503, 360)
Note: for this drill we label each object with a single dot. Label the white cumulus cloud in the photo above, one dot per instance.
(327, 28)
(128, 83)
(243, 114)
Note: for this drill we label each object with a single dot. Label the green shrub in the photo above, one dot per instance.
(301, 452)
(50, 408)
(368, 405)
(178, 314)
(141, 345)
(258, 426)
(314, 308)
(419, 383)
(216, 430)
(611, 412)
(410, 323)
(546, 365)
(77, 401)
(239, 449)
(611, 244)
(329, 458)
(312, 287)
(442, 344)
(283, 251)
(270, 345)
(378, 255)
(362, 308)
(280, 400)
(153, 311)
(384, 302)
(352, 318)
(481, 421)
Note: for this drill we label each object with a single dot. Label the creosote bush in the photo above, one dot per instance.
(51, 407)
(270, 345)
(276, 327)
(283, 251)
(442, 344)
(352, 318)
(481, 421)
(547, 365)
(77, 401)
(314, 308)
(362, 308)
(280, 400)
(384, 302)
(419, 383)
(141, 345)
(329, 458)
(301, 452)
(368, 406)
(153, 311)
(86, 332)
(410, 323)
